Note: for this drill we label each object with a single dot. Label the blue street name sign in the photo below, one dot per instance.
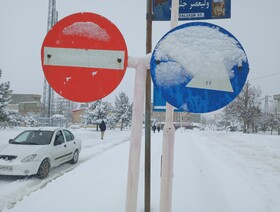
(199, 67)
(193, 9)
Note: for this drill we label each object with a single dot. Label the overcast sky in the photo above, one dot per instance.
(23, 26)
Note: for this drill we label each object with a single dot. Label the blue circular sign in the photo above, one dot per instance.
(199, 67)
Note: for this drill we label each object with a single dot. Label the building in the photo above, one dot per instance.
(77, 115)
(26, 103)
(61, 111)
(30, 107)
(61, 105)
(277, 99)
(184, 119)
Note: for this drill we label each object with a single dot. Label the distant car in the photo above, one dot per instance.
(35, 152)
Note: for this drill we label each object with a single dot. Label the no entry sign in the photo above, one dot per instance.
(84, 57)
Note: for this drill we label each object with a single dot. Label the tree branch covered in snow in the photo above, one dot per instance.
(96, 112)
(5, 98)
(122, 112)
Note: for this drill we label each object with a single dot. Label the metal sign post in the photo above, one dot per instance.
(168, 140)
(141, 65)
(147, 191)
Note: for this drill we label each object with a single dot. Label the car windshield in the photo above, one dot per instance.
(33, 137)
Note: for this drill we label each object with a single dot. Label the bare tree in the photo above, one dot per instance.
(246, 108)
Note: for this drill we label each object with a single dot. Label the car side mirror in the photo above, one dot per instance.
(11, 141)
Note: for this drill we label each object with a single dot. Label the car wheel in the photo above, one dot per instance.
(75, 157)
(44, 169)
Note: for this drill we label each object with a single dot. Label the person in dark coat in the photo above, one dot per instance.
(158, 127)
(154, 128)
(102, 127)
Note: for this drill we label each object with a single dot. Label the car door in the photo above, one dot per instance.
(60, 149)
(70, 141)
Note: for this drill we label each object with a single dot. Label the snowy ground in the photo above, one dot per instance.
(213, 172)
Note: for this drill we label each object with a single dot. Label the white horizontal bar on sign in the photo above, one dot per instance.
(160, 107)
(87, 58)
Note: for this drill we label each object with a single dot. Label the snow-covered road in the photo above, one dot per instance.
(233, 172)
(13, 189)
(213, 172)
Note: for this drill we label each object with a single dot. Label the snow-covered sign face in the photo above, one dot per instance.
(199, 67)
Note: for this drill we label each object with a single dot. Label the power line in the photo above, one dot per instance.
(266, 76)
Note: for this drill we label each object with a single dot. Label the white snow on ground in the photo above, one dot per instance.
(213, 172)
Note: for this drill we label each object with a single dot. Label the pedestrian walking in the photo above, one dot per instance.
(158, 127)
(102, 127)
(154, 128)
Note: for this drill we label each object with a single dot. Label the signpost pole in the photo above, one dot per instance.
(168, 140)
(147, 193)
(136, 132)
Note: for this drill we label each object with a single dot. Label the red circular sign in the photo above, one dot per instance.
(84, 57)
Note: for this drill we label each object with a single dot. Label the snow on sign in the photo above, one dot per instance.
(84, 57)
(199, 67)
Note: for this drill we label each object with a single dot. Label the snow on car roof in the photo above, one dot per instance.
(49, 128)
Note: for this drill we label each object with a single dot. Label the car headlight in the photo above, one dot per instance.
(28, 158)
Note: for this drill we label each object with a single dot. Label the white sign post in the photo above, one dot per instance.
(141, 65)
(168, 140)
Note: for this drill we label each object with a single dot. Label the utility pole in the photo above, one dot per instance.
(147, 192)
(246, 124)
(48, 93)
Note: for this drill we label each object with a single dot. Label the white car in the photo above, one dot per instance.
(35, 152)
